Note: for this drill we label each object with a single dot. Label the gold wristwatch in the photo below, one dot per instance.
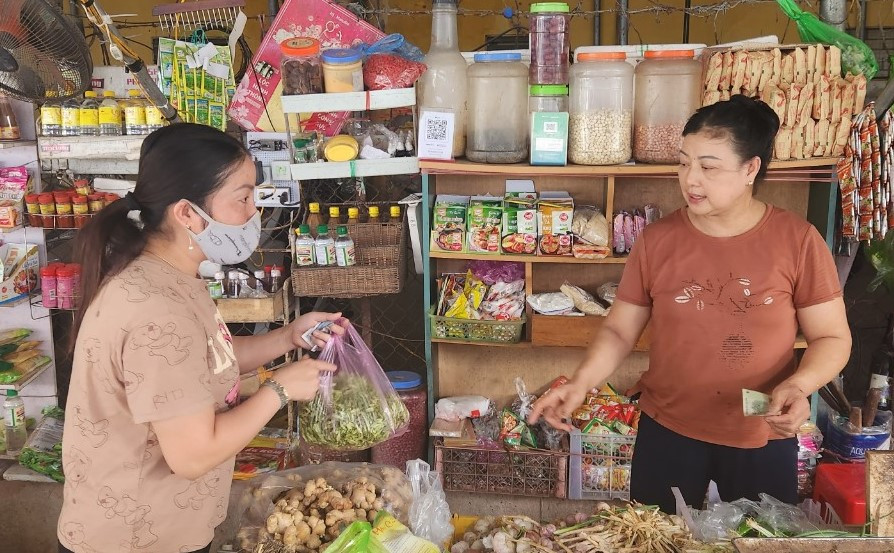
(280, 391)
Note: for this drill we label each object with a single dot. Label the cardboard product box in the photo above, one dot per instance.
(15, 182)
(519, 228)
(549, 138)
(118, 79)
(555, 212)
(448, 223)
(484, 220)
(20, 266)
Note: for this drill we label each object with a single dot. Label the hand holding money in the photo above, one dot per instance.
(755, 404)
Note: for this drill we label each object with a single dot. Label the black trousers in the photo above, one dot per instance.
(663, 459)
(206, 549)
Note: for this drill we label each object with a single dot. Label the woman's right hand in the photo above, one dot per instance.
(301, 379)
(557, 405)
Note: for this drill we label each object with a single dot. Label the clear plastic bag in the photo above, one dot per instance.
(430, 516)
(356, 407)
(590, 225)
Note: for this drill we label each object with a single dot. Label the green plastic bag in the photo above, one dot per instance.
(856, 57)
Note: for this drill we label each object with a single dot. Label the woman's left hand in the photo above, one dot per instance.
(789, 408)
(309, 320)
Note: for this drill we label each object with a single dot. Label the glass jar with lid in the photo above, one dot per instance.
(550, 42)
(668, 85)
(342, 70)
(600, 109)
(497, 126)
(301, 69)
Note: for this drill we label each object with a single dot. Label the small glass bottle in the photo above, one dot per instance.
(244, 288)
(9, 126)
(304, 247)
(89, 115)
(261, 283)
(345, 255)
(276, 278)
(71, 117)
(51, 116)
(109, 115)
(324, 247)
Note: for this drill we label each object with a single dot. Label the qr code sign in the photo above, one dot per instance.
(551, 127)
(436, 130)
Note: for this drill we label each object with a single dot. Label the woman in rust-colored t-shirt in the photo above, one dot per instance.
(726, 282)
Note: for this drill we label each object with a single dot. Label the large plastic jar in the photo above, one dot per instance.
(668, 85)
(548, 98)
(301, 69)
(550, 42)
(497, 126)
(600, 119)
(413, 443)
(342, 70)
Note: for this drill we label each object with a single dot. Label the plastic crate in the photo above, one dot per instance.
(470, 330)
(528, 473)
(599, 466)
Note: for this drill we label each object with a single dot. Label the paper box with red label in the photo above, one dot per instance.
(19, 271)
(519, 229)
(555, 212)
(333, 25)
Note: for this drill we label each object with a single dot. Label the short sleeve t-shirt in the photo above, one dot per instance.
(152, 346)
(724, 318)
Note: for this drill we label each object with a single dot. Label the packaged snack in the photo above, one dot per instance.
(485, 216)
(555, 213)
(519, 226)
(448, 230)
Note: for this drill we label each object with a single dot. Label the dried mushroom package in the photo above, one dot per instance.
(356, 407)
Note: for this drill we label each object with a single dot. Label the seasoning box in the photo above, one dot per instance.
(448, 223)
(519, 228)
(549, 138)
(483, 224)
(555, 212)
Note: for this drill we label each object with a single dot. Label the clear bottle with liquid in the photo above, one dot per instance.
(71, 117)
(14, 418)
(155, 119)
(51, 116)
(109, 115)
(134, 113)
(345, 254)
(324, 247)
(304, 247)
(314, 218)
(89, 115)
(9, 126)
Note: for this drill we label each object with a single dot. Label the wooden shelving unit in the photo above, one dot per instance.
(553, 346)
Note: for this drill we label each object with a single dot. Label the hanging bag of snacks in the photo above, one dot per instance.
(356, 407)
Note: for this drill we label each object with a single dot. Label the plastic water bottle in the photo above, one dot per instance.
(134, 114)
(305, 256)
(51, 116)
(109, 115)
(345, 255)
(71, 117)
(324, 247)
(14, 415)
(89, 115)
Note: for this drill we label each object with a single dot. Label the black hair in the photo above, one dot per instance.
(183, 161)
(749, 124)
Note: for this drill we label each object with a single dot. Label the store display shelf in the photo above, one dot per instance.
(568, 331)
(350, 101)
(525, 258)
(14, 303)
(5, 144)
(356, 168)
(27, 378)
(90, 147)
(462, 167)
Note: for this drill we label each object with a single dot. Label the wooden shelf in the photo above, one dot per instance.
(488, 344)
(356, 168)
(273, 309)
(349, 101)
(526, 258)
(569, 331)
(463, 167)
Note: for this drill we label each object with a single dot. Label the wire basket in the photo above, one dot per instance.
(532, 473)
(470, 330)
(599, 466)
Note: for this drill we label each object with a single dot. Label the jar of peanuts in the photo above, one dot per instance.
(659, 116)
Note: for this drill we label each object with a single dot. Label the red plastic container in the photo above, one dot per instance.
(843, 487)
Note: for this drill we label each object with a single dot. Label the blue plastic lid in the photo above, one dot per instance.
(404, 380)
(502, 56)
(341, 55)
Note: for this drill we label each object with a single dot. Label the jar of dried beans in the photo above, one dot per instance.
(550, 43)
(600, 119)
(668, 85)
(412, 444)
(302, 72)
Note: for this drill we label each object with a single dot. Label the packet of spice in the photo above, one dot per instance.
(356, 408)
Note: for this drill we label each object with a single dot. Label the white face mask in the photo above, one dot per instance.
(227, 244)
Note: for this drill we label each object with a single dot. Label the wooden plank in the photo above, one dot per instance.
(547, 330)
(255, 310)
(527, 258)
(880, 492)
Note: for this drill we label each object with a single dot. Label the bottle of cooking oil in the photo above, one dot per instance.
(109, 115)
(89, 115)
(134, 113)
(51, 116)
(154, 118)
(374, 214)
(71, 117)
(353, 216)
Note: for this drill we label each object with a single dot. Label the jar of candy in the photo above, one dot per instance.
(550, 43)
(414, 442)
(301, 70)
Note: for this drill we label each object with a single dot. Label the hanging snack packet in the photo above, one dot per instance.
(356, 407)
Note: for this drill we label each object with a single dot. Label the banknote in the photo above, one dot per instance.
(755, 403)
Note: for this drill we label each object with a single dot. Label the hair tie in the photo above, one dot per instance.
(132, 203)
(134, 211)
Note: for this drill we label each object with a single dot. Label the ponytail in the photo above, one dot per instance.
(184, 161)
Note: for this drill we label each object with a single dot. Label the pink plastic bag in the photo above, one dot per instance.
(356, 407)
